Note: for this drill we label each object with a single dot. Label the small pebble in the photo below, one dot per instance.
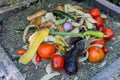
(76, 78)
(102, 64)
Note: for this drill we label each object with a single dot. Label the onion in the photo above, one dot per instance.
(49, 68)
(67, 26)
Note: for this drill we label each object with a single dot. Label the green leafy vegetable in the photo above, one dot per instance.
(59, 22)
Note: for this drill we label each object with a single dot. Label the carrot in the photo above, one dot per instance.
(21, 51)
(33, 16)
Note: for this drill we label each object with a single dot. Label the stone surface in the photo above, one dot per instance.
(112, 72)
(8, 70)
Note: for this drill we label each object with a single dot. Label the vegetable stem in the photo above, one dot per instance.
(67, 34)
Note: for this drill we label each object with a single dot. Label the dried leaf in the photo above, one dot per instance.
(87, 15)
(89, 24)
(60, 28)
(36, 21)
(81, 21)
(61, 8)
(49, 68)
(37, 14)
(65, 8)
(90, 19)
(49, 76)
(75, 24)
(72, 9)
(76, 30)
(77, 7)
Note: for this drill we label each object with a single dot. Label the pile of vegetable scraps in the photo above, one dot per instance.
(67, 35)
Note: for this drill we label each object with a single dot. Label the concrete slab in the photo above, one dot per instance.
(112, 72)
(8, 70)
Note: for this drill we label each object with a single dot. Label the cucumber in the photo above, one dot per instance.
(62, 14)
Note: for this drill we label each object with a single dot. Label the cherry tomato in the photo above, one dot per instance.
(21, 51)
(57, 62)
(108, 32)
(37, 58)
(100, 22)
(46, 50)
(96, 54)
(105, 50)
(95, 12)
(100, 41)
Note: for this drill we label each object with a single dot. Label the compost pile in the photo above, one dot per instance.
(66, 35)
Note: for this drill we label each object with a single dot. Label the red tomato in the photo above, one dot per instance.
(100, 22)
(105, 50)
(57, 62)
(46, 50)
(95, 12)
(100, 41)
(96, 54)
(21, 51)
(108, 32)
(37, 58)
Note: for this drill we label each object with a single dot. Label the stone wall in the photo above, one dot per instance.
(4, 3)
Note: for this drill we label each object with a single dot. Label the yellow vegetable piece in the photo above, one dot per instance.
(39, 37)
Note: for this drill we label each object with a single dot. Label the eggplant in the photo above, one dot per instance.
(71, 58)
(74, 40)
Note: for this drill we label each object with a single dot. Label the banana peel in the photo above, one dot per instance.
(34, 44)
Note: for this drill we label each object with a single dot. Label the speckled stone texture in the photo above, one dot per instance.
(9, 70)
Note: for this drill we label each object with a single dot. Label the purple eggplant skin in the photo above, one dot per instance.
(71, 58)
(74, 40)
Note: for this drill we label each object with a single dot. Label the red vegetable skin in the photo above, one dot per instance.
(46, 50)
(105, 50)
(100, 22)
(57, 62)
(109, 33)
(37, 58)
(95, 12)
(21, 51)
(101, 41)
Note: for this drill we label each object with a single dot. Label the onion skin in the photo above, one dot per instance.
(67, 26)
